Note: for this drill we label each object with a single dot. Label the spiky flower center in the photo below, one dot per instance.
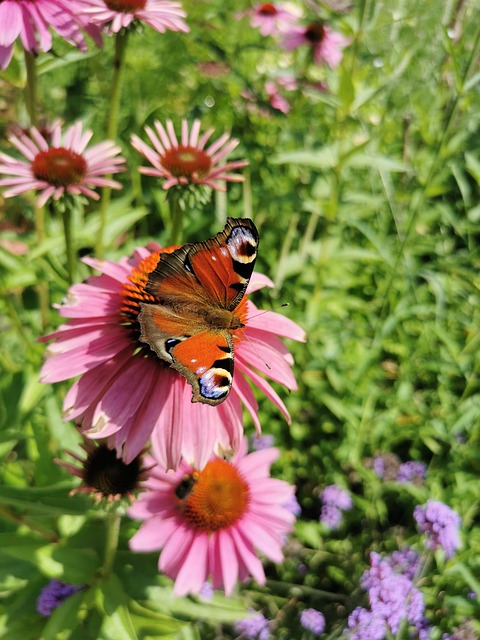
(185, 161)
(133, 292)
(217, 497)
(59, 166)
(315, 32)
(267, 9)
(109, 475)
(126, 6)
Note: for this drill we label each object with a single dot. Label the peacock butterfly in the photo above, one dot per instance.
(196, 291)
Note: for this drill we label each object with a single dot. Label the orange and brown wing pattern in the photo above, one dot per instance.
(224, 264)
(182, 326)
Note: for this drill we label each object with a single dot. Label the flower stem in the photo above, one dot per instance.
(176, 213)
(112, 124)
(67, 213)
(31, 87)
(42, 286)
(111, 541)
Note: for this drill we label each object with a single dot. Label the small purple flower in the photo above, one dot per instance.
(337, 497)
(379, 466)
(330, 516)
(313, 621)
(405, 561)
(293, 506)
(206, 591)
(440, 525)
(265, 441)
(385, 466)
(364, 625)
(412, 471)
(392, 596)
(254, 627)
(53, 594)
(334, 501)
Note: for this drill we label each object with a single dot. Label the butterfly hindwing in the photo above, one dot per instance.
(206, 361)
(196, 290)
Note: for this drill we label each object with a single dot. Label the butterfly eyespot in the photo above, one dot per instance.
(215, 383)
(242, 246)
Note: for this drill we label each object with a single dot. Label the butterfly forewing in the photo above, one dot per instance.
(224, 264)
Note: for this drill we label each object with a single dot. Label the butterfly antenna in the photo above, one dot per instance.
(261, 313)
(254, 347)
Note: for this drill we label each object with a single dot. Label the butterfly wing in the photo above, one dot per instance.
(187, 283)
(205, 358)
(224, 264)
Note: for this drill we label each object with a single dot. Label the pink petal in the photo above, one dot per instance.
(11, 21)
(154, 533)
(247, 555)
(193, 571)
(228, 560)
(167, 434)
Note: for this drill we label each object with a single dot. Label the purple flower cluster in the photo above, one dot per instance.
(313, 621)
(412, 471)
(405, 561)
(52, 596)
(388, 467)
(440, 525)
(393, 599)
(334, 501)
(253, 628)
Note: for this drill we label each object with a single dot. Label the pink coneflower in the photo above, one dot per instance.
(127, 393)
(118, 14)
(326, 44)
(212, 522)
(271, 18)
(60, 164)
(188, 161)
(31, 22)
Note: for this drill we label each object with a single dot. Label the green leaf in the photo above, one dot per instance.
(117, 623)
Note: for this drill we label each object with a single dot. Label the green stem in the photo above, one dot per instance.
(176, 214)
(31, 87)
(111, 541)
(113, 111)
(67, 214)
(42, 286)
(277, 586)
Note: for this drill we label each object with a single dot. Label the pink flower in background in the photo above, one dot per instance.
(271, 18)
(326, 44)
(59, 163)
(189, 161)
(127, 394)
(31, 21)
(276, 99)
(118, 14)
(213, 522)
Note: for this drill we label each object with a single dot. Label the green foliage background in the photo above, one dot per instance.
(366, 199)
